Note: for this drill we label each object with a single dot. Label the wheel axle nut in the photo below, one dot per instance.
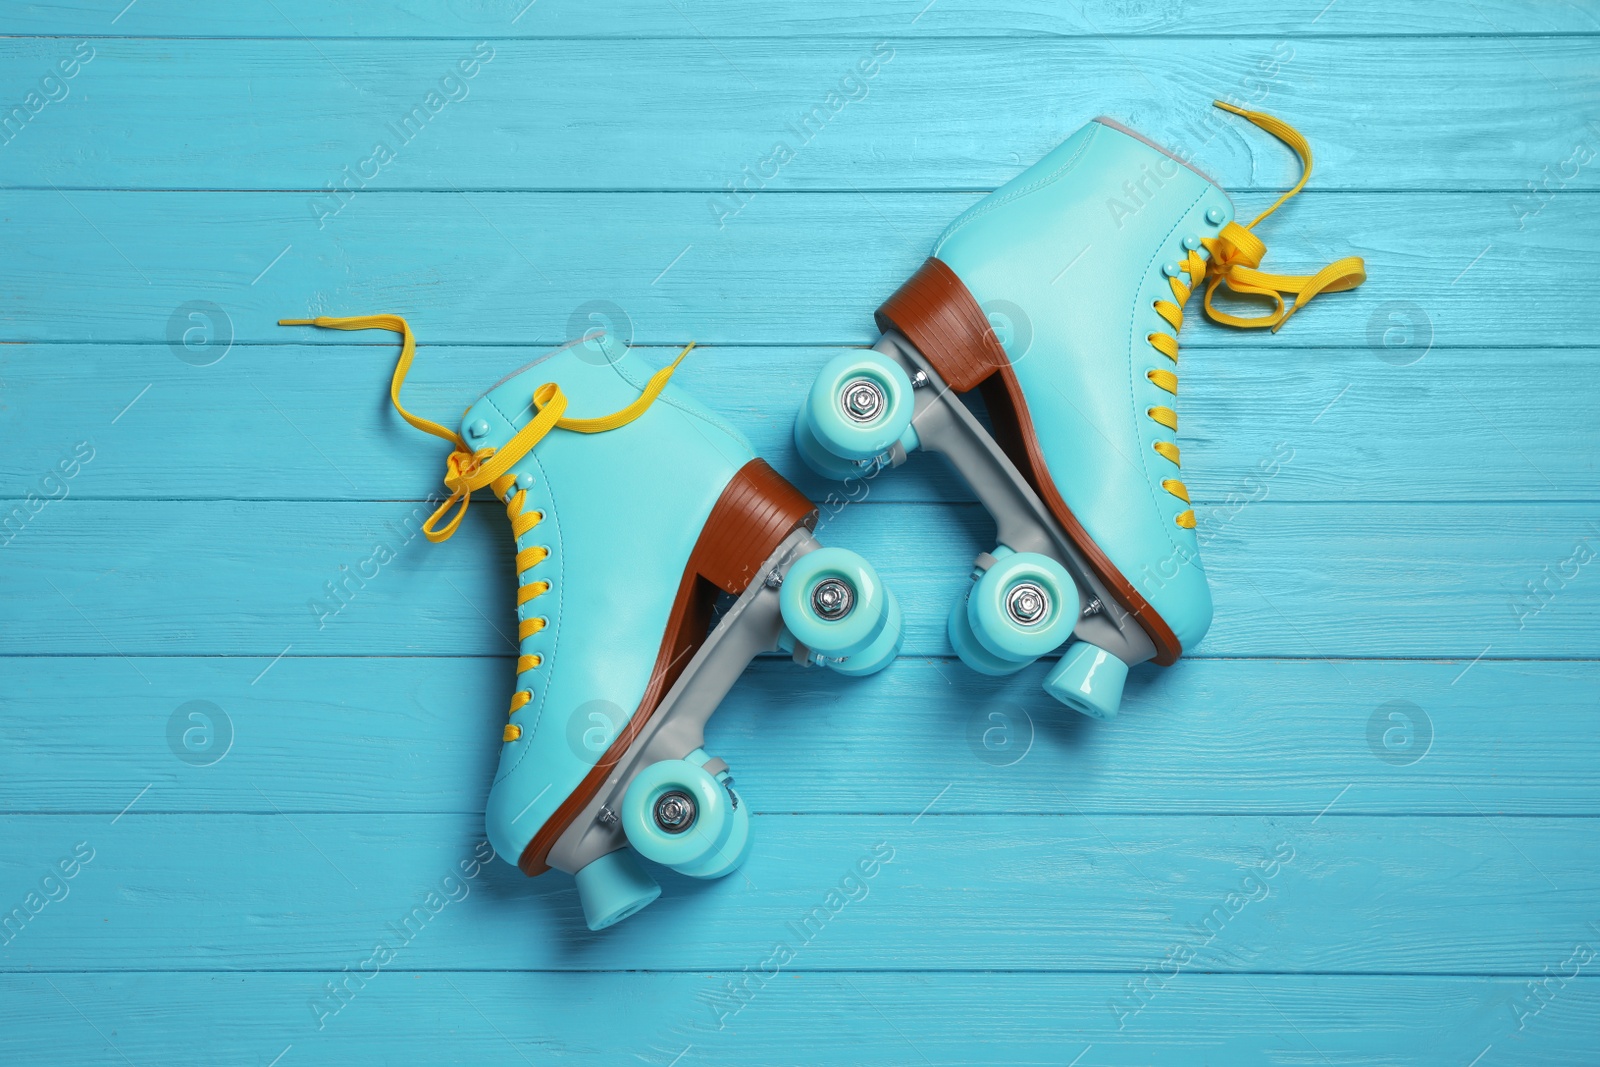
(675, 811)
(862, 400)
(832, 599)
(1027, 603)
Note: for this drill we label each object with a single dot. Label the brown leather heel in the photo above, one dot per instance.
(934, 310)
(757, 510)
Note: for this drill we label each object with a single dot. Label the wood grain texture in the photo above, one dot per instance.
(420, 734)
(794, 18)
(1315, 425)
(1347, 894)
(514, 268)
(801, 1019)
(853, 113)
(1423, 552)
(1295, 580)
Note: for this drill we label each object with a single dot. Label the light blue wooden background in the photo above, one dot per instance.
(1425, 535)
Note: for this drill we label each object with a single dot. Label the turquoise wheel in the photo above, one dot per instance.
(972, 653)
(676, 814)
(819, 459)
(878, 655)
(860, 404)
(732, 853)
(833, 602)
(1023, 606)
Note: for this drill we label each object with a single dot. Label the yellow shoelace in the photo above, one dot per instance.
(467, 471)
(1234, 255)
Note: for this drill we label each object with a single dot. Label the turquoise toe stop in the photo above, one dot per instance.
(1088, 679)
(613, 887)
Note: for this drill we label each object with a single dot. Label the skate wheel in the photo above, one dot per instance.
(822, 462)
(860, 404)
(732, 853)
(676, 814)
(878, 655)
(1023, 606)
(613, 887)
(833, 602)
(1088, 679)
(972, 653)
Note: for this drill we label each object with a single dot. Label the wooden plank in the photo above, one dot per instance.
(1297, 580)
(1207, 736)
(729, 18)
(516, 1018)
(1311, 427)
(853, 113)
(1336, 894)
(515, 268)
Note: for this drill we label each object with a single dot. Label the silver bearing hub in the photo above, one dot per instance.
(862, 399)
(1027, 603)
(832, 599)
(675, 811)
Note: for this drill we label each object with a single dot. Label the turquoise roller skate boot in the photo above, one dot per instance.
(628, 526)
(1090, 255)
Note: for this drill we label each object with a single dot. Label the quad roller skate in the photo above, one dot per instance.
(1088, 257)
(628, 526)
